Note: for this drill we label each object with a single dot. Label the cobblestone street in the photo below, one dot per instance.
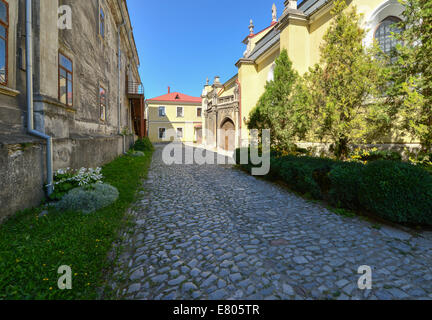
(214, 232)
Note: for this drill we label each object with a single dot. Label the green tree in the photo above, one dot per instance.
(281, 106)
(410, 72)
(344, 83)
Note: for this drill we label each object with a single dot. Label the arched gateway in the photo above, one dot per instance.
(227, 135)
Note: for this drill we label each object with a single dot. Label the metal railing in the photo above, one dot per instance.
(135, 88)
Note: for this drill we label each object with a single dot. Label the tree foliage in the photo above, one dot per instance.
(410, 72)
(281, 108)
(343, 85)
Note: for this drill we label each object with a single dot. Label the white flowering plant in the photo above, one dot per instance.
(68, 179)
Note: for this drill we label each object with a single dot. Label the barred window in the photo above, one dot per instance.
(383, 34)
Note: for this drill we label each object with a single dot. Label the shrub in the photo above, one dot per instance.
(397, 191)
(68, 179)
(303, 174)
(89, 198)
(306, 174)
(134, 153)
(143, 145)
(345, 181)
(374, 154)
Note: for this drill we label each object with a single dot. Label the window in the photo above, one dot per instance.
(180, 133)
(162, 133)
(65, 80)
(161, 111)
(383, 34)
(102, 98)
(179, 112)
(4, 24)
(199, 112)
(102, 23)
(270, 76)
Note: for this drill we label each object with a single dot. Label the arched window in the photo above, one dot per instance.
(383, 34)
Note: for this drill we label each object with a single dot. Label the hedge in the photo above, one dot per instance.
(143, 145)
(396, 191)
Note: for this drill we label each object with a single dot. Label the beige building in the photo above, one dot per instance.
(174, 116)
(299, 30)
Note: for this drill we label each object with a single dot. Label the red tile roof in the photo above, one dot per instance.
(176, 97)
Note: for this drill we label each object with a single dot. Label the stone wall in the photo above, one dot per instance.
(22, 175)
(23, 165)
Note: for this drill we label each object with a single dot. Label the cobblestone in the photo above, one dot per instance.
(214, 232)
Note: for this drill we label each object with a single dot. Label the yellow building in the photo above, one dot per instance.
(174, 116)
(300, 30)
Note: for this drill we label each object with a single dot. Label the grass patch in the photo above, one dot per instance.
(343, 212)
(32, 248)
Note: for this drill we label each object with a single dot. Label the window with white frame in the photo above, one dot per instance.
(162, 133)
(179, 112)
(180, 133)
(162, 112)
(199, 112)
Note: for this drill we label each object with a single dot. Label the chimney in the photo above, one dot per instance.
(217, 80)
(291, 4)
(169, 89)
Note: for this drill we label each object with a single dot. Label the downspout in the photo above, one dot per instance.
(119, 76)
(29, 80)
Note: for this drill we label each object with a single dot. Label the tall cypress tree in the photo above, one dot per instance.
(277, 108)
(343, 83)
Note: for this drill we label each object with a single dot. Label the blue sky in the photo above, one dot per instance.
(181, 43)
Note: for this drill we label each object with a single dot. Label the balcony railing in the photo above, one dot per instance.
(135, 88)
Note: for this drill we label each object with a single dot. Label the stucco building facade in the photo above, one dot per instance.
(86, 92)
(174, 116)
(300, 30)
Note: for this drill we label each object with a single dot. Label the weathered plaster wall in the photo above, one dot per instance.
(80, 138)
(22, 172)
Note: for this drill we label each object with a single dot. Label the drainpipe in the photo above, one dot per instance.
(29, 80)
(119, 77)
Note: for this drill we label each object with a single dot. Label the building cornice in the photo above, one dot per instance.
(244, 61)
(174, 103)
(291, 16)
